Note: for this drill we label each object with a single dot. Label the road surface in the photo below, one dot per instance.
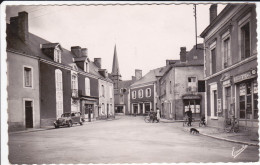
(124, 140)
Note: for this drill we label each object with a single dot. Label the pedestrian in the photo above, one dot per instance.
(158, 114)
(189, 114)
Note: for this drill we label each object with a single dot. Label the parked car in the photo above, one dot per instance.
(68, 119)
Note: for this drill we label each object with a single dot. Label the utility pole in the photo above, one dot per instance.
(195, 15)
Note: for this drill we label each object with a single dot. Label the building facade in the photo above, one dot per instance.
(46, 80)
(231, 66)
(143, 93)
(182, 85)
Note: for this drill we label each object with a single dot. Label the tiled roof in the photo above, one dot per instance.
(150, 76)
(32, 47)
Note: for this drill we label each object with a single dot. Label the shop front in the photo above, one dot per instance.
(89, 107)
(192, 102)
(247, 99)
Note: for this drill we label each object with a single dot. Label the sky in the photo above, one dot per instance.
(145, 35)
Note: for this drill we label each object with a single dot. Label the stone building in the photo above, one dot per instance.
(46, 80)
(231, 66)
(181, 87)
(121, 87)
(143, 93)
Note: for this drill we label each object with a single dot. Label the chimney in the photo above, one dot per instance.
(76, 50)
(183, 54)
(213, 12)
(97, 62)
(138, 74)
(84, 52)
(170, 62)
(19, 26)
(133, 78)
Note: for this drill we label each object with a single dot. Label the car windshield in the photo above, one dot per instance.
(66, 115)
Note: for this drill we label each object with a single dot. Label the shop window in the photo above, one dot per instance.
(255, 86)
(245, 41)
(193, 105)
(247, 96)
(201, 86)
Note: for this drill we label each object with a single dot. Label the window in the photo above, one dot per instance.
(111, 92)
(133, 94)
(28, 77)
(192, 84)
(227, 56)
(59, 93)
(245, 41)
(57, 55)
(102, 90)
(201, 86)
(74, 82)
(148, 92)
(121, 90)
(248, 96)
(86, 67)
(140, 93)
(87, 86)
(170, 87)
(213, 101)
(213, 60)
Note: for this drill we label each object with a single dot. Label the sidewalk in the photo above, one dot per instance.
(243, 137)
(52, 127)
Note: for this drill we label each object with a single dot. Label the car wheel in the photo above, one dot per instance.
(56, 126)
(70, 124)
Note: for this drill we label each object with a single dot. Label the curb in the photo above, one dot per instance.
(229, 140)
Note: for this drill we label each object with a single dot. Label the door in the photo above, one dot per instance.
(147, 107)
(89, 111)
(228, 102)
(141, 108)
(28, 114)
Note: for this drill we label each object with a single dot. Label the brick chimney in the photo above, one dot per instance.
(213, 12)
(138, 74)
(76, 50)
(97, 62)
(183, 54)
(84, 52)
(19, 26)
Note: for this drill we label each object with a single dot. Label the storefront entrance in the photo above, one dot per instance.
(89, 112)
(194, 106)
(119, 109)
(147, 107)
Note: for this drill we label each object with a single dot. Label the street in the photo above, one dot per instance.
(126, 139)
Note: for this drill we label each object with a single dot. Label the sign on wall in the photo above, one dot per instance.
(219, 105)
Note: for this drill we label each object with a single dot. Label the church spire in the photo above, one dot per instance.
(115, 67)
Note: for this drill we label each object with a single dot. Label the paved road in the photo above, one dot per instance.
(124, 140)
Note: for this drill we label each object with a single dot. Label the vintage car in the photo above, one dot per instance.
(68, 119)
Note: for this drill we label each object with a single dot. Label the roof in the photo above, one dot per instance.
(32, 47)
(150, 76)
(125, 83)
(217, 19)
(115, 67)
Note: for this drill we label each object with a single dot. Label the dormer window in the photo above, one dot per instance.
(86, 67)
(57, 55)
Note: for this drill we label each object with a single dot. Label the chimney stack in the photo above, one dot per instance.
(138, 74)
(183, 54)
(97, 62)
(76, 50)
(213, 12)
(84, 52)
(133, 78)
(19, 26)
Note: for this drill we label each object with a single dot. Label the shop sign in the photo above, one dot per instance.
(226, 83)
(191, 97)
(245, 76)
(219, 105)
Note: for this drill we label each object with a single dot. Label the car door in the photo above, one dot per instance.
(75, 117)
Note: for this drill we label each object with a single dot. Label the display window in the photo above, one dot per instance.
(248, 100)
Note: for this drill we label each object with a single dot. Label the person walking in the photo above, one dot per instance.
(158, 114)
(189, 114)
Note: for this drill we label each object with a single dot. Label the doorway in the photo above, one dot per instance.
(89, 111)
(147, 107)
(28, 114)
